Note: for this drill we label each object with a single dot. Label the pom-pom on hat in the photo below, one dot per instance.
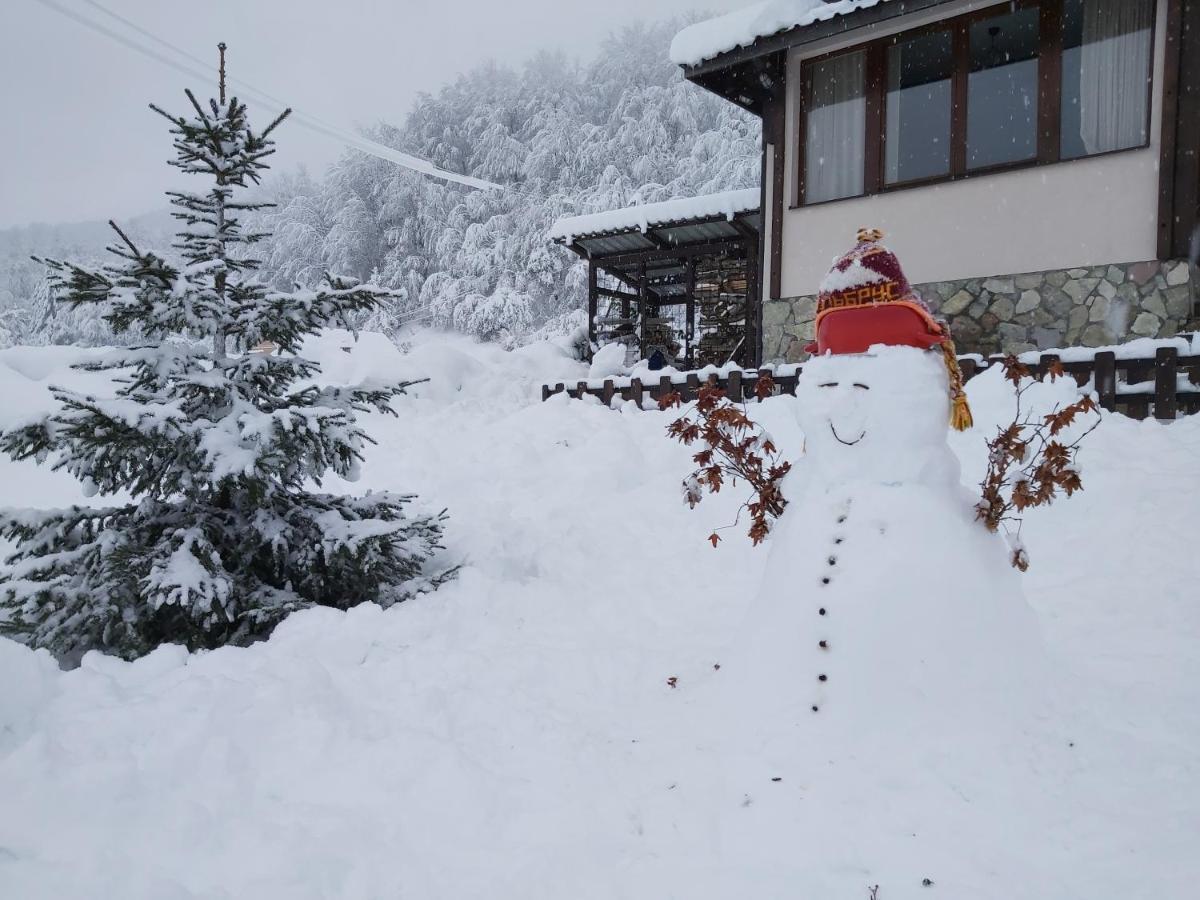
(866, 300)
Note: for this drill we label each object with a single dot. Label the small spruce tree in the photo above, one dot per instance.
(217, 445)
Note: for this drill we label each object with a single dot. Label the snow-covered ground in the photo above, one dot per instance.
(514, 735)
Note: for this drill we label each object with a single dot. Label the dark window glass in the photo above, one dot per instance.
(1002, 89)
(918, 107)
(1105, 75)
(835, 127)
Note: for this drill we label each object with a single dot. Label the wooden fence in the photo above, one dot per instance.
(1165, 386)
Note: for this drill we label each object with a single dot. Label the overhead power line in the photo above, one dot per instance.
(197, 68)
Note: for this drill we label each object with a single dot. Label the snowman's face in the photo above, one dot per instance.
(879, 416)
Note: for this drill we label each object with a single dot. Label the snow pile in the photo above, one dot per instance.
(743, 27)
(647, 215)
(515, 735)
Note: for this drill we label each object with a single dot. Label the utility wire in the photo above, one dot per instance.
(364, 145)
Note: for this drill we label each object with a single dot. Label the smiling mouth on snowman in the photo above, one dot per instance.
(840, 439)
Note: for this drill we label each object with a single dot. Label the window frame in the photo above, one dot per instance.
(871, 147)
(1049, 113)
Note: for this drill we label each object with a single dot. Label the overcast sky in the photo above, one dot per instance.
(79, 142)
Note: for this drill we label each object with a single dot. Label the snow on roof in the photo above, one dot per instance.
(743, 27)
(647, 215)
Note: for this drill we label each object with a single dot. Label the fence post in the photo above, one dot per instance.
(1104, 373)
(968, 368)
(763, 372)
(635, 391)
(606, 393)
(1045, 361)
(1165, 386)
(734, 391)
(693, 386)
(582, 388)
(664, 386)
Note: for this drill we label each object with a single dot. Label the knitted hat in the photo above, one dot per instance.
(866, 300)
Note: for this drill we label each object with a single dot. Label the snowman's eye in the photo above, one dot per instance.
(865, 387)
(828, 384)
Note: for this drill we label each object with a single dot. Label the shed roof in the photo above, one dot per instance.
(654, 240)
(628, 227)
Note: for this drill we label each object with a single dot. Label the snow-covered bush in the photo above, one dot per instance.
(1032, 458)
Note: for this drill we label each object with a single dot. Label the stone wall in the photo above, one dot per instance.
(1092, 307)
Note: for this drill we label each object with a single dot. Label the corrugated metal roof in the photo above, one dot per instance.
(642, 218)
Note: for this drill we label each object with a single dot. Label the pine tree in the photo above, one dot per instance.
(216, 445)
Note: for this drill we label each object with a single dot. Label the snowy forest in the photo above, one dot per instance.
(562, 137)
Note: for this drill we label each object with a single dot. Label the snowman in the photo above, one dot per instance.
(881, 696)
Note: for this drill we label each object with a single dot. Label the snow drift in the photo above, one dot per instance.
(515, 734)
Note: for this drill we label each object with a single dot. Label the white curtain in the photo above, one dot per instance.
(1113, 68)
(835, 139)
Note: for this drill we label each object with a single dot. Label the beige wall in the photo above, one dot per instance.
(1072, 214)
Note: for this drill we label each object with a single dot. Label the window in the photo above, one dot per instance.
(1002, 89)
(1105, 75)
(919, 107)
(1022, 83)
(835, 135)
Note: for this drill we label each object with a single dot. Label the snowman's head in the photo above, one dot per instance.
(881, 416)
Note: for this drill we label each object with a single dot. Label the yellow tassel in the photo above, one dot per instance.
(960, 412)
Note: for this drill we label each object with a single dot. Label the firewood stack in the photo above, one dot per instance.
(721, 306)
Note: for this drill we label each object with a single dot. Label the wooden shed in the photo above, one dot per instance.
(677, 282)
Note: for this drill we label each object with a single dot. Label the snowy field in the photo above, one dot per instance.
(514, 735)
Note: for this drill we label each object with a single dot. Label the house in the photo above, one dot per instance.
(1034, 163)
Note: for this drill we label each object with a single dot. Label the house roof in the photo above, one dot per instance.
(637, 221)
(742, 27)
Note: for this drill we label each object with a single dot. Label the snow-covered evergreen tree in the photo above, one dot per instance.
(218, 449)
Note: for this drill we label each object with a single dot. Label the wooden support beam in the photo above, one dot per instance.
(1172, 53)
(641, 303)
(690, 300)
(742, 227)
(779, 160)
(616, 295)
(753, 356)
(708, 248)
(593, 302)
(1187, 148)
(655, 240)
(1179, 163)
